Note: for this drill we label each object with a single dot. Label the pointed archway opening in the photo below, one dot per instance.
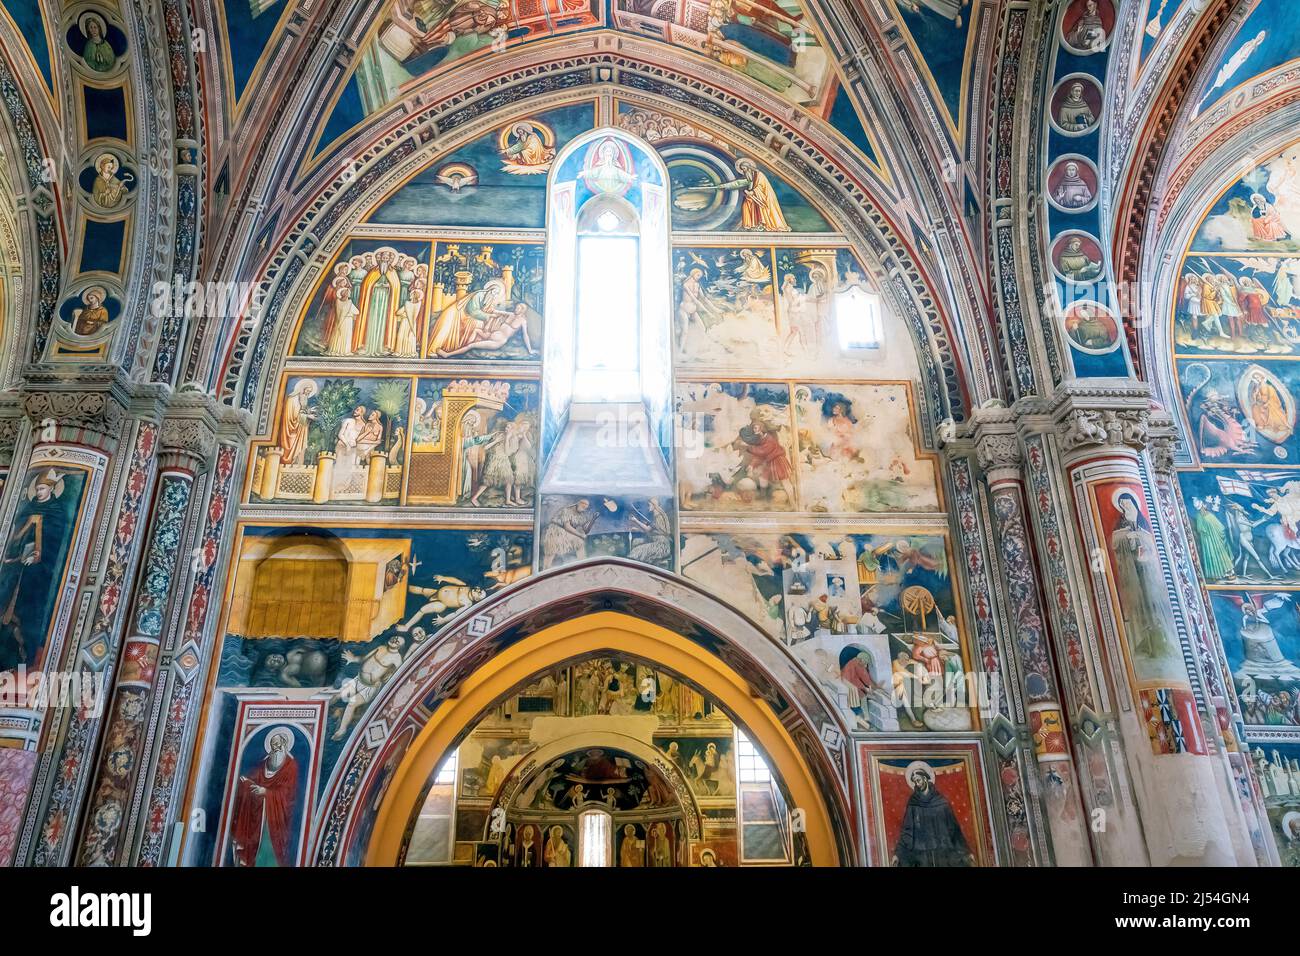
(605, 607)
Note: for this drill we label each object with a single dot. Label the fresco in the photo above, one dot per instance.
(855, 450)
(497, 179)
(1277, 768)
(1241, 411)
(1266, 40)
(337, 439)
(469, 444)
(716, 187)
(753, 309)
(1259, 213)
(744, 456)
(749, 449)
(682, 793)
(1263, 648)
(770, 43)
(941, 32)
(575, 527)
(418, 37)
(474, 444)
(373, 304)
(407, 299)
(269, 794)
(927, 806)
(1235, 319)
(337, 609)
(36, 557)
(873, 617)
(1137, 579)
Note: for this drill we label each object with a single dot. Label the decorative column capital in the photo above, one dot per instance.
(1103, 416)
(89, 410)
(997, 443)
(193, 421)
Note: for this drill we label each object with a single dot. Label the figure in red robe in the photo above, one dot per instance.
(264, 802)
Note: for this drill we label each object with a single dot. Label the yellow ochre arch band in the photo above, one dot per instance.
(602, 631)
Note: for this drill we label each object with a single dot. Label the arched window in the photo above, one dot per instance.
(608, 360)
(608, 318)
(595, 838)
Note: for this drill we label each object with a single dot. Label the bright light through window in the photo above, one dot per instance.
(595, 839)
(608, 308)
(858, 318)
(750, 765)
(446, 774)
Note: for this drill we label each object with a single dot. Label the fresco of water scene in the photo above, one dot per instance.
(1236, 331)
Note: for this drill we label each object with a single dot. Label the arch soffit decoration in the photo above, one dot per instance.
(1175, 160)
(433, 677)
(257, 347)
(656, 762)
(30, 130)
(1191, 190)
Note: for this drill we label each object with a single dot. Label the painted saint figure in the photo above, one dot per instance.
(93, 316)
(1075, 263)
(295, 421)
(108, 190)
(1266, 223)
(1073, 192)
(97, 53)
(1140, 582)
(30, 572)
(760, 209)
(1088, 32)
(264, 805)
(1074, 115)
(931, 835)
(557, 852)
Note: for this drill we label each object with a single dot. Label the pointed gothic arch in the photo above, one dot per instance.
(600, 605)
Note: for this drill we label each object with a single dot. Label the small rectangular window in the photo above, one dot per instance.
(750, 765)
(858, 318)
(447, 772)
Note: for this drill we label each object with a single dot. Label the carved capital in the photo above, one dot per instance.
(1086, 427)
(93, 417)
(1103, 415)
(1162, 443)
(997, 446)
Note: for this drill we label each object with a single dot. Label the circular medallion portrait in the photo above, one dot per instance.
(1092, 327)
(1073, 184)
(1077, 257)
(1076, 105)
(108, 180)
(1087, 26)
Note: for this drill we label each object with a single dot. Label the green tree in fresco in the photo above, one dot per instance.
(338, 397)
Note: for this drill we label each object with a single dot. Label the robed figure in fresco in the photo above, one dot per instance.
(31, 571)
(931, 835)
(1147, 620)
(264, 805)
(760, 209)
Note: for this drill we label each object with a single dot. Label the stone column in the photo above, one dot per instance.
(132, 720)
(1224, 727)
(999, 455)
(1003, 713)
(189, 651)
(99, 433)
(1101, 433)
